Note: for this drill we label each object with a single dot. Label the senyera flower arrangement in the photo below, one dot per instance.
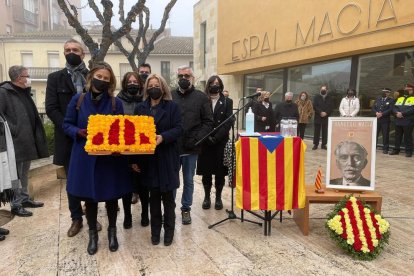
(357, 229)
(125, 134)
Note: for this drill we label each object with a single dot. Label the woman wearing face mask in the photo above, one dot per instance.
(160, 172)
(305, 109)
(210, 161)
(131, 96)
(263, 113)
(91, 178)
(349, 106)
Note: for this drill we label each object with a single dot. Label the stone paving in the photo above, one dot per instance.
(39, 245)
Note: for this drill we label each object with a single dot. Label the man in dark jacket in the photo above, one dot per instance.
(197, 122)
(61, 87)
(323, 106)
(382, 110)
(287, 109)
(29, 139)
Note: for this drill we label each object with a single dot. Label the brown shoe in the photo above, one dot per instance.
(75, 228)
(134, 198)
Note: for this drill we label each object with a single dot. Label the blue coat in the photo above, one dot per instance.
(97, 178)
(161, 170)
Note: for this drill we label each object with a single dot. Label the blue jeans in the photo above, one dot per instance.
(188, 164)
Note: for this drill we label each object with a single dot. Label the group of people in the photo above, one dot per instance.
(187, 137)
(268, 118)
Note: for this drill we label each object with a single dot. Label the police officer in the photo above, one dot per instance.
(404, 120)
(382, 110)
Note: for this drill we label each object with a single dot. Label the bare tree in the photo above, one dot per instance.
(141, 47)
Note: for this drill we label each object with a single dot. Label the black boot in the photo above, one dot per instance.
(93, 242)
(113, 241)
(206, 202)
(207, 183)
(128, 221)
(219, 204)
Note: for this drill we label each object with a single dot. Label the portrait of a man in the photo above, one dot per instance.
(351, 158)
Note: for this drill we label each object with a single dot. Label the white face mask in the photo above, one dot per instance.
(28, 82)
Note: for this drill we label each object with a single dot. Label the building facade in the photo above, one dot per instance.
(299, 45)
(42, 53)
(17, 16)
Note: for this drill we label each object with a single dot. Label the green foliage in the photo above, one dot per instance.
(350, 248)
(49, 129)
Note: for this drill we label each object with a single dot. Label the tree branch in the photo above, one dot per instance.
(95, 8)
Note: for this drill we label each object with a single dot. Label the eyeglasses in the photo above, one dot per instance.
(187, 76)
(28, 76)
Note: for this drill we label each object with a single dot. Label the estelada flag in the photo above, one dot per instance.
(318, 179)
(270, 173)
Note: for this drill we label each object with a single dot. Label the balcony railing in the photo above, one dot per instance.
(23, 15)
(41, 72)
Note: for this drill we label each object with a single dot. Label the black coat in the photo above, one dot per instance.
(260, 111)
(28, 134)
(321, 104)
(286, 110)
(210, 161)
(197, 119)
(59, 92)
(161, 170)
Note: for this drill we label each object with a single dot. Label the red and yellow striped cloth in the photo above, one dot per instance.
(270, 180)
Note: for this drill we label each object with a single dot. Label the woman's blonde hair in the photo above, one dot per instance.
(99, 66)
(262, 95)
(165, 89)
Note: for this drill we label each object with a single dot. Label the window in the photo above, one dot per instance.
(53, 59)
(165, 71)
(27, 59)
(203, 44)
(8, 29)
(271, 81)
(8, 3)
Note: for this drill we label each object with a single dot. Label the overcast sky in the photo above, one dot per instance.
(180, 21)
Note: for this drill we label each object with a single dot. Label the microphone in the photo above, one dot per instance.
(252, 96)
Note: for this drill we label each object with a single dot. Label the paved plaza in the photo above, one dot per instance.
(38, 245)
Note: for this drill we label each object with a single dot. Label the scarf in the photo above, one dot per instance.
(78, 76)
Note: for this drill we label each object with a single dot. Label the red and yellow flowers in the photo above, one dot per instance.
(120, 133)
(357, 229)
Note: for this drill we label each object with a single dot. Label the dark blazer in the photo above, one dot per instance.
(286, 110)
(29, 140)
(197, 118)
(59, 92)
(260, 111)
(161, 170)
(210, 161)
(96, 178)
(362, 181)
(384, 106)
(321, 104)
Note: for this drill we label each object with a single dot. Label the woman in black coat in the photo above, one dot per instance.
(160, 172)
(263, 114)
(210, 161)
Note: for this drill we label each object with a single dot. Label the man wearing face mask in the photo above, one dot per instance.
(61, 86)
(323, 106)
(403, 111)
(197, 117)
(144, 70)
(382, 110)
(287, 109)
(29, 139)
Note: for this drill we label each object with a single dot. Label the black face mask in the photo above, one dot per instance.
(73, 59)
(155, 93)
(289, 101)
(184, 84)
(214, 89)
(100, 85)
(323, 92)
(143, 77)
(350, 95)
(133, 89)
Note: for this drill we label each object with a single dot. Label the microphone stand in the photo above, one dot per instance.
(230, 212)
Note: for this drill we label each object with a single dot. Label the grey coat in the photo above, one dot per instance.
(8, 170)
(29, 142)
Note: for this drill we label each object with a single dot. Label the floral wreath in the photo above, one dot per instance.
(357, 229)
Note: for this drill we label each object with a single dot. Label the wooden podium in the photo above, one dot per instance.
(301, 216)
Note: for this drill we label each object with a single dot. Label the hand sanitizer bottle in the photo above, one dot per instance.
(250, 121)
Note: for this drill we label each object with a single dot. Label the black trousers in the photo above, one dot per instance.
(167, 199)
(318, 127)
(92, 213)
(301, 130)
(407, 132)
(207, 180)
(384, 129)
(74, 203)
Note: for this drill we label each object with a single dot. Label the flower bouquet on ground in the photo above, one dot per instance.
(357, 229)
(125, 134)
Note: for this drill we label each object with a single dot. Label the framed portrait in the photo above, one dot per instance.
(351, 153)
